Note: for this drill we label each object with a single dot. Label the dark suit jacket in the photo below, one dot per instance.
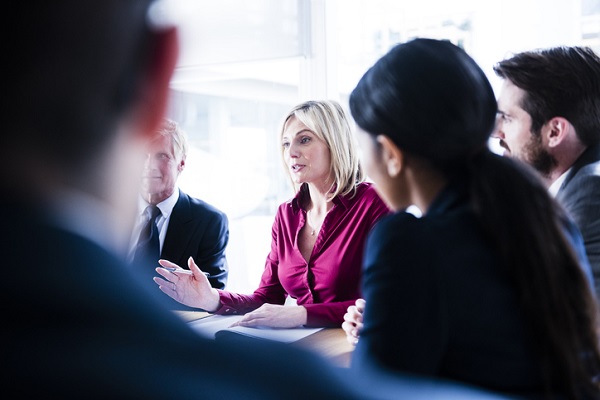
(76, 324)
(439, 304)
(199, 230)
(580, 196)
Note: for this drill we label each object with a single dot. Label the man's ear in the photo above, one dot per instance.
(392, 156)
(153, 92)
(556, 131)
(181, 165)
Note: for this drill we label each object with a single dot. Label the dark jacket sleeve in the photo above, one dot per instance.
(581, 199)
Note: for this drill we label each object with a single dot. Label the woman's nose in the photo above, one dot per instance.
(293, 151)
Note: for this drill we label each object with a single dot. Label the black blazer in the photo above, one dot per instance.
(580, 196)
(199, 230)
(439, 304)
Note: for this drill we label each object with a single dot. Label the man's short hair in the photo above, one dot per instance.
(178, 137)
(558, 82)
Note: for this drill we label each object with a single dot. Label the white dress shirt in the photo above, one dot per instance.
(555, 186)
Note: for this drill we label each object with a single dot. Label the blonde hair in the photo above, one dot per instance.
(328, 121)
(178, 137)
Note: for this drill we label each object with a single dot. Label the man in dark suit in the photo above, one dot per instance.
(187, 227)
(549, 117)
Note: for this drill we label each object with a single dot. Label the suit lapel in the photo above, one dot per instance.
(590, 155)
(175, 240)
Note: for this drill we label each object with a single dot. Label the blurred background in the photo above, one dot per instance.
(245, 63)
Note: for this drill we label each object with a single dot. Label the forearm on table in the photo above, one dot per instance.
(235, 303)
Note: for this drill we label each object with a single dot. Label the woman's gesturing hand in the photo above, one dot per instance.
(191, 288)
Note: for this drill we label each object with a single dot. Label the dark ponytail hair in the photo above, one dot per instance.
(527, 227)
(434, 102)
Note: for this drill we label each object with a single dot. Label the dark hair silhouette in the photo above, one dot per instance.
(67, 93)
(434, 102)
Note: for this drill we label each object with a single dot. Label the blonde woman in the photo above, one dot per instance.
(317, 237)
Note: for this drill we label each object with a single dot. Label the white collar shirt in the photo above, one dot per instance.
(555, 186)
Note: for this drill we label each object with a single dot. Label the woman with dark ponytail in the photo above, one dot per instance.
(484, 288)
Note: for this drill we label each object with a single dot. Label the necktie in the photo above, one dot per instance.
(148, 247)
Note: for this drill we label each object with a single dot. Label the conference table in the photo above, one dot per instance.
(330, 343)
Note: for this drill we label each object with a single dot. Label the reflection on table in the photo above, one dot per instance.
(331, 343)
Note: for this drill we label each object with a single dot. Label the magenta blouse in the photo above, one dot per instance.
(330, 281)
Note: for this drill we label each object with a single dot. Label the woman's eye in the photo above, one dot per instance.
(305, 140)
(285, 145)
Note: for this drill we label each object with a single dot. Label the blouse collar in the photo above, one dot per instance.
(303, 196)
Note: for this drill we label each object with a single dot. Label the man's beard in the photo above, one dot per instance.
(537, 156)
